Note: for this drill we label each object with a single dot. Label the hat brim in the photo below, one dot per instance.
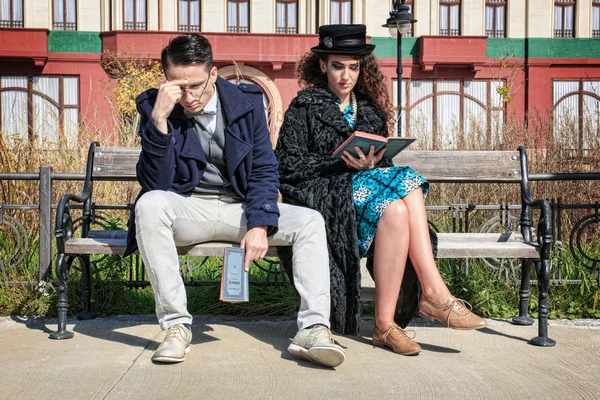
(362, 51)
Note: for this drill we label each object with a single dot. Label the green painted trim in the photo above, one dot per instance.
(543, 48)
(500, 48)
(387, 47)
(74, 42)
(564, 48)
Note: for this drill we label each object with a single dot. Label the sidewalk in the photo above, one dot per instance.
(233, 358)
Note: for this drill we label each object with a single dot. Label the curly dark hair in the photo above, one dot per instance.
(371, 81)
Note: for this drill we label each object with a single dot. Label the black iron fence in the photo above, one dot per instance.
(576, 227)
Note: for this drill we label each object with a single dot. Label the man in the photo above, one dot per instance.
(208, 173)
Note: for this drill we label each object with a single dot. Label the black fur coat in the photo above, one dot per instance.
(310, 176)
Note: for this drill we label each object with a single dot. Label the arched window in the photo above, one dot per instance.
(238, 16)
(564, 18)
(451, 114)
(11, 14)
(495, 18)
(449, 17)
(271, 97)
(577, 115)
(287, 16)
(340, 12)
(39, 108)
(189, 16)
(266, 103)
(134, 15)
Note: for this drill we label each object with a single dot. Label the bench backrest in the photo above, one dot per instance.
(436, 166)
(115, 162)
(463, 166)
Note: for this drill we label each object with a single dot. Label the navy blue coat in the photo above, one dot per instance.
(176, 161)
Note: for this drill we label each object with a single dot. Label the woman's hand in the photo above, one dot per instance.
(363, 162)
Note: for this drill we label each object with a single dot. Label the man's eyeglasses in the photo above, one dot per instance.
(197, 91)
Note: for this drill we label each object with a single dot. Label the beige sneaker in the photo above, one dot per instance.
(175, 345)
(317, 345)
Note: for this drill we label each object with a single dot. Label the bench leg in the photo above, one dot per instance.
(543, 274)
(86, 290)
(524, 295)
(62, 274)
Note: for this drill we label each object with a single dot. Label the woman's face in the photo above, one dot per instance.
(342, 74)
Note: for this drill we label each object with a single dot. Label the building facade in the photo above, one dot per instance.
(469, 65)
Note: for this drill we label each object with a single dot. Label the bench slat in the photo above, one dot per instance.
(480, 237)
(450, 245)
(452, 166)
(434, 165)
(117, 246)
(487, 250)
(116, 161)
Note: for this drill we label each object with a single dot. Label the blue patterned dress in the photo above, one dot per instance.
(374, 189)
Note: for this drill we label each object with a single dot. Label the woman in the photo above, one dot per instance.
(371, 208)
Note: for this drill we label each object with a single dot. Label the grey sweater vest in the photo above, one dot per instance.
(214, 180)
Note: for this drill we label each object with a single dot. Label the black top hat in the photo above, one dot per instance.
(347, 39)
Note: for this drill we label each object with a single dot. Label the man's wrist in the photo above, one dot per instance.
(161, 124)
(263, 227)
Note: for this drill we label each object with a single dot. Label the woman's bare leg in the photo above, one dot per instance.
(436, 302)
(391, 250)
(420, 251)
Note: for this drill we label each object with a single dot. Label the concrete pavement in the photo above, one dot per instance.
(234, 358)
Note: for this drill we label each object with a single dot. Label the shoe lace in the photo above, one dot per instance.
(461, 305)
(323, 333)
(175, 332)
(402, 332)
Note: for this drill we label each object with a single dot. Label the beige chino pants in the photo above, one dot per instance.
(165, 220)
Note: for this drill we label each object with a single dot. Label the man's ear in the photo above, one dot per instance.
(213, 74)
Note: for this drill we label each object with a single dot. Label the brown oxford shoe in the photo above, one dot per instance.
(396, 339)
(454, 314)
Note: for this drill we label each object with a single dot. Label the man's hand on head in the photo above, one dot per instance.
(169, 94)
(256, 244)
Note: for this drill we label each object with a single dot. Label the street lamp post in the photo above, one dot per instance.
(399, 23)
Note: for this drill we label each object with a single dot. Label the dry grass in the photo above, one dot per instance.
(546, 150)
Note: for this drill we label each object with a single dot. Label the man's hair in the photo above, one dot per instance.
(189, 49)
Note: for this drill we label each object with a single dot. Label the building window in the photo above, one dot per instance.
(495, 18)
(577, 115)
(564, 18)
(39, 108)
(65, 15)
(452, 114)
(596, 19)
(340, 12)
(317, 15)
(409, 3)
(287, 16)
(238, 16)
(11, 14)
(449, 17)
(135, 15)
(189, 16)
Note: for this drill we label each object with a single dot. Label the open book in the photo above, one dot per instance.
(364, 141)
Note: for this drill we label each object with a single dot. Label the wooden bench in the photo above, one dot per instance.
(118, 163)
